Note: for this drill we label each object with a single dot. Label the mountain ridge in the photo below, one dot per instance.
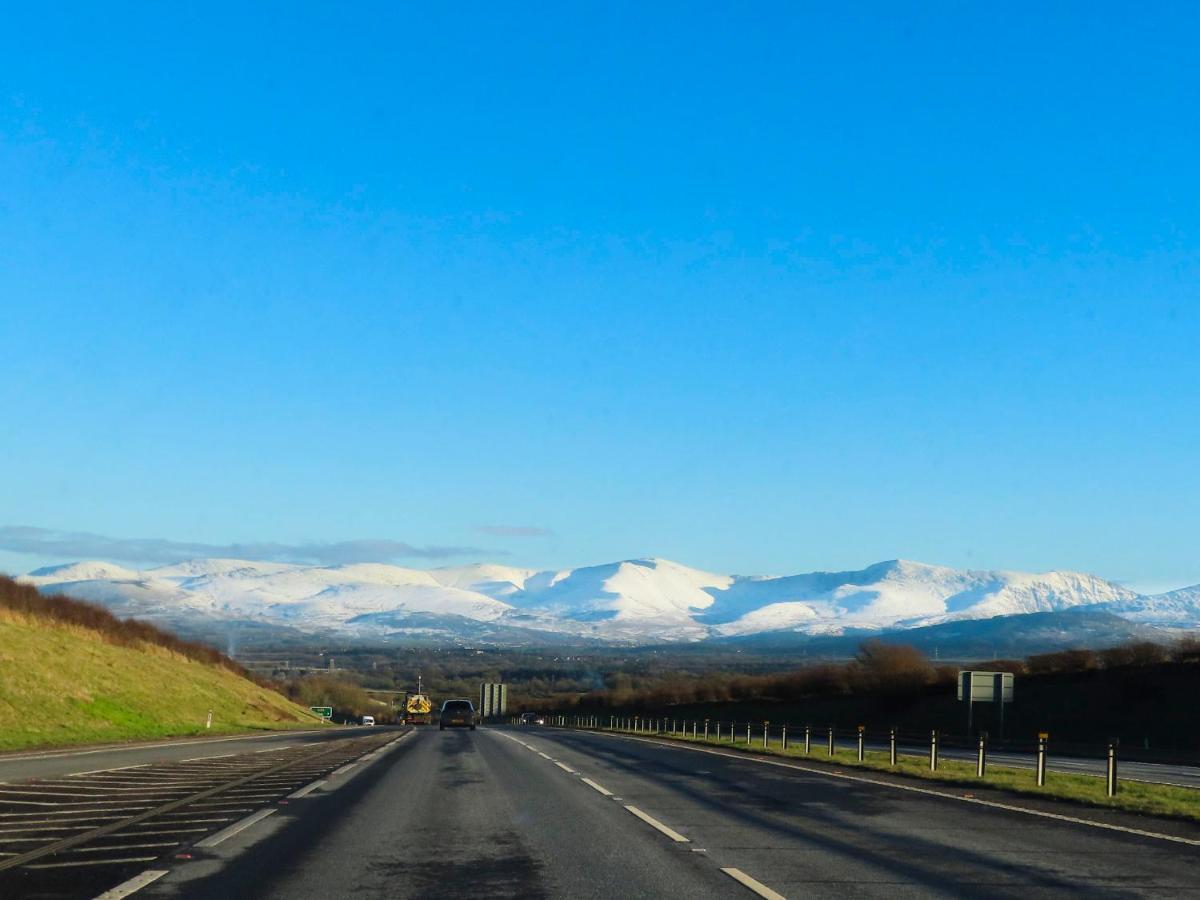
(643, 600)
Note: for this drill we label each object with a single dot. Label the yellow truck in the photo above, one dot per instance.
(418, 710)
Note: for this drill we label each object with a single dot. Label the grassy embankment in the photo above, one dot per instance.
(1132, 796)
(62, 683)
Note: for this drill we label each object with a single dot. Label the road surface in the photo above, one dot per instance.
(71, 761)
(542, 813)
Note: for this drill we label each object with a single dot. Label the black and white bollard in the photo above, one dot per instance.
(706, 731)
(862, 737)
(981, 756)
(1110, 779)
(892, 747)
(1041, 759)
(933, 750)
(749, 739)
(831, 740)
(783, 737)
(807, 740)
(766, 735)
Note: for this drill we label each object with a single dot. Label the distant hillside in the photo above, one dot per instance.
(975, 639)
(632, 602)
(69, 676)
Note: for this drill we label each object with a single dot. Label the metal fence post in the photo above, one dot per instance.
(862, 737)
(933, 750)
(706, 731)
(981, 757)
(892, 747)
(807, 739)
(1041, 759)
(783, 737)
(766, 735)
(749, 740)
(1110, 781)
(831, 740)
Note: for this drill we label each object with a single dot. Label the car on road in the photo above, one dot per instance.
(457, 714)
(530, 718)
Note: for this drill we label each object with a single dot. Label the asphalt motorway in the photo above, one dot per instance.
(539, 812)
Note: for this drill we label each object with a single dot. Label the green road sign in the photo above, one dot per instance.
(325, 712)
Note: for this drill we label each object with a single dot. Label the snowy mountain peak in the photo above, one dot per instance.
(634, 600)
(90, 570)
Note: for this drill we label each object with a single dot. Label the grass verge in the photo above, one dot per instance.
(1132, 796)
(63, 684)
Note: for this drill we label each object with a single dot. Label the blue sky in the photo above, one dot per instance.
(759, 290)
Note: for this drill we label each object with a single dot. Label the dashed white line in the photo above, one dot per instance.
(753, 884)
(603, 790)
(133, 885)
(565, 768)
(912, 789)
(236, 828)
(654, 823)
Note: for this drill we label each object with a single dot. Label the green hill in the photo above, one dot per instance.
(72, 674)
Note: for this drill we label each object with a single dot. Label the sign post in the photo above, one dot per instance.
(985, 687)
(325, 712)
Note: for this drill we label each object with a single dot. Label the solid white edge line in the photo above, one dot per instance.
(919, 790)
(154, 745)
(344, 769)
(306, 790)
(654, 823)
(133, 885)
(753, 884)
(101, 771)
(603, 790)
(218, 756)
(236, 828)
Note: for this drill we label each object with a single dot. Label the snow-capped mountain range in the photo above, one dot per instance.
(633, 601)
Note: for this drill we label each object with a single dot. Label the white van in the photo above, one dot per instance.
(368, 720)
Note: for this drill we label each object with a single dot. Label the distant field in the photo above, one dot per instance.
(64, 684)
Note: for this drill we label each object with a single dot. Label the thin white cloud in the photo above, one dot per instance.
(74, 545)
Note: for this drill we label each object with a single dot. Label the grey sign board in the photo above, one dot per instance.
(985, 687)
(493, 699)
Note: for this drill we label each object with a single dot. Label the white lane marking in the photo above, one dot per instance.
(344, 769)
(155, 745)
(133, 885)
(90, 862)
(206, 758)
(654, 823)
(753, 884)
(236, 828)
(542, 755)
(603, 790)
(565, 768)
(306, 790)
(110, 847)
(926, 791)
(106, 771)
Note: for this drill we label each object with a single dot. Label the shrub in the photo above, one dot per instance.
(26, 600)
